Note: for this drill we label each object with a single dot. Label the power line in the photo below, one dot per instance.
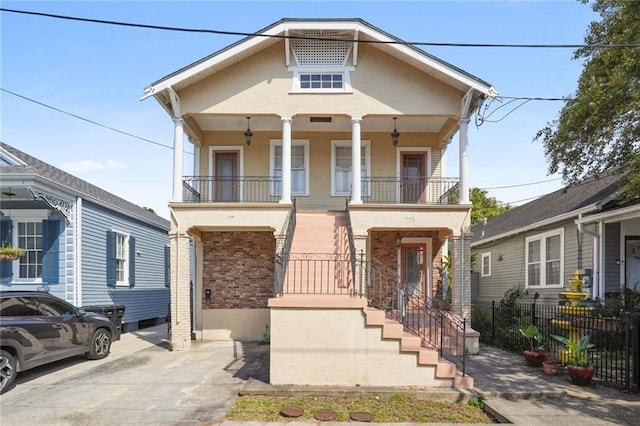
(522, 184)
(505, 203)
(86, 119)
(281, 36)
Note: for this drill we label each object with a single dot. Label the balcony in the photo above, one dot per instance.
(267, 189)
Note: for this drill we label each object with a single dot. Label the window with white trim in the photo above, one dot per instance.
(122, 254)
(485, 264)
(545, 263)
(29, 238)
(341, 165)
(299, 167)
(325, 80)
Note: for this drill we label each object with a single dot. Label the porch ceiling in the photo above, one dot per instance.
(409, 124)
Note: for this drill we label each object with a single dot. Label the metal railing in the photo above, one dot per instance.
(396, 190)
(442, 330)
(616, 338)
(283, 248)
(317, 273)
(352, 245)
(233, 189)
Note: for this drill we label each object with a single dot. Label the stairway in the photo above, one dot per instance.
(319, 260)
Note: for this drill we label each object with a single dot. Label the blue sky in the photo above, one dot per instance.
(99, 72)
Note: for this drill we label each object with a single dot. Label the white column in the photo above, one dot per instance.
(286, 161)
(464, 161)
(356, 172)
(178, 147)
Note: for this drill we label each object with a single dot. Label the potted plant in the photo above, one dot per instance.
(9, 252)
(578, 366)
(536, 355)
(551, 365)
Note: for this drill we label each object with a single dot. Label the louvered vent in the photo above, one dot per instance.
(332, 50)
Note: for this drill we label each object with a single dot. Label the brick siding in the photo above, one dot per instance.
(238, 268)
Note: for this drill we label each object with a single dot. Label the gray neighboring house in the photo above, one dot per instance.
(539, 246)
(83, 244)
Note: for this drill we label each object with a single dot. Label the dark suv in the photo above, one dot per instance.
(37, 328)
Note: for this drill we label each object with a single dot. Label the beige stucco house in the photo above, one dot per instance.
(283, 123)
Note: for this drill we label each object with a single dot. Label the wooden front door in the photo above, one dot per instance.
(226, 183)
(413, 177)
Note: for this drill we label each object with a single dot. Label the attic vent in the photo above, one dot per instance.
(332, 51)
(320, 119)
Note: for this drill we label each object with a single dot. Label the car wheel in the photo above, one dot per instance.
(100, 344)
(7, 370)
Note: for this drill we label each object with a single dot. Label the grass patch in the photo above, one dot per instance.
(388, 408)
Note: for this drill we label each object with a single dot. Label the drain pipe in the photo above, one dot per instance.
(598, 292)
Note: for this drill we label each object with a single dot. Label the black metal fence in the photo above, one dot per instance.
(232, 189)
(615, 356)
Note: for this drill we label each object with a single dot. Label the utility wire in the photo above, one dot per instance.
(296, 37)
(521, 184)
(87, 120)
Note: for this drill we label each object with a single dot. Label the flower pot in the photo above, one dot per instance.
(580, 376)
(534, 359)
(9, 256)
(551, 368)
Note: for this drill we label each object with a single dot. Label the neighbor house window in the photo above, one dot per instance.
(341, 165)
(545, 265)
(485, 264)
(30, 239)
(121, 258)
(299, 167)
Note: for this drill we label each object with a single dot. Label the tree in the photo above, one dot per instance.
(598, 129)
(484, 207)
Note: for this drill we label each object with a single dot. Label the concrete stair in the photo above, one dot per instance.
(408, 342)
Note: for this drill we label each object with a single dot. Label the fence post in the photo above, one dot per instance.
(361, 279)
(533, 313)
(634, 326)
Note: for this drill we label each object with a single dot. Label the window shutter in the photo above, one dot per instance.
(132, 262)
(167, 266)
(5, 265)
(50, 251)
(111, 259)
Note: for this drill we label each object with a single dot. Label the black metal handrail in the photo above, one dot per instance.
(282, 254)
(352, 245)
(231, 189)
(399, 190)
(317, 273)
(443, 330)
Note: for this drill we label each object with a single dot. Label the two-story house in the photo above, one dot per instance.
(320, 192)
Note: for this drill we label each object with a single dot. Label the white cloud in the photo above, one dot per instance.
(92, 166)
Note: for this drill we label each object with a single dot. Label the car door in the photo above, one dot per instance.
(69, 335)
(23, 326)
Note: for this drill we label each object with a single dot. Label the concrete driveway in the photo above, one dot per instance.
(141, 382)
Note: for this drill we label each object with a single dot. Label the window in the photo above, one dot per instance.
(544, 259)
(329, 79)
(341, 162)
(121, 252)
(485, 264)
(299, 167)
(39, 238)
(321, 81)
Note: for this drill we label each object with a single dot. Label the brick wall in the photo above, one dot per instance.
(238, 268)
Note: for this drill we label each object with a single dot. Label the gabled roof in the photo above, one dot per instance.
(37, 168)
(588, 196)
(366, 33)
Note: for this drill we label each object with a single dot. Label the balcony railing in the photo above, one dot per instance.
(397, 190)
(234, 189)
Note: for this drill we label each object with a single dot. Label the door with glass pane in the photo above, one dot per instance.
(413, 177)
(413, 268)
(226, 182)
(632, 263)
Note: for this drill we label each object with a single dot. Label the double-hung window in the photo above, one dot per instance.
(545, 263)
(121, 258)
(485, 264)
(299, 167)
(341, 166)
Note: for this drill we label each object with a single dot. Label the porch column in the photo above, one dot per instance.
(356, 173)
(180, 336)
(178, 147)
(464, 161)
(461, 285)
(286, 161)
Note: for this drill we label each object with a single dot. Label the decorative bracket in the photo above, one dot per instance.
(55, 203)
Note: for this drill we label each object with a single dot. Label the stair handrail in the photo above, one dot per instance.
(352, 247)
(282, 255)
(414, 310)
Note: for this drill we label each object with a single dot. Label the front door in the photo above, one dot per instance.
(413, 177)
(226, 183)
(632, 263)
(413, 267)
